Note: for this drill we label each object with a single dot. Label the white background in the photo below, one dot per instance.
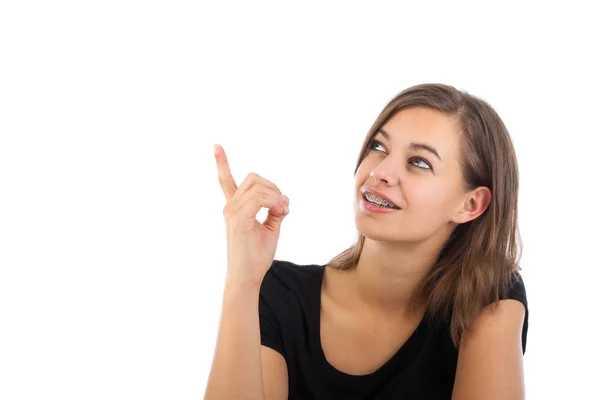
(112, 239)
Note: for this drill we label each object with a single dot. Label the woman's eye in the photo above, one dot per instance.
(374, 143)
(427, 166)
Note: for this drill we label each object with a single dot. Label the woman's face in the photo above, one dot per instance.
(427, 189)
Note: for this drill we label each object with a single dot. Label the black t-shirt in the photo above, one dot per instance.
(289, 311)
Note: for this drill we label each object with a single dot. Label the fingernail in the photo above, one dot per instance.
(284, 197)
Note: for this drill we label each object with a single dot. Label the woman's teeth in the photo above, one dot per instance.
(378, 201)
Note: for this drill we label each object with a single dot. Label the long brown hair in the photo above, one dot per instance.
(481, 258)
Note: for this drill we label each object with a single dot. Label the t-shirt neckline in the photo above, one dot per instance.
(399, 360)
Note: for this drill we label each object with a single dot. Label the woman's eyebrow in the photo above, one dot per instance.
(416, 146)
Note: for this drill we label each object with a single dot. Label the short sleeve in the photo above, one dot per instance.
(270, 328)
(517, 292)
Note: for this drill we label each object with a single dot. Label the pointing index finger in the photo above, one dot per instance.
(225, 178)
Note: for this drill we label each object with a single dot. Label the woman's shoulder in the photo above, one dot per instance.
(290, 276)
(288, 291)
(516, 289)
(288, 270)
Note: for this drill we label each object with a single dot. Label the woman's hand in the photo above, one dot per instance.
(251, 245)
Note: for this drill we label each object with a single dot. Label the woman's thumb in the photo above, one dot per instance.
(273, 221)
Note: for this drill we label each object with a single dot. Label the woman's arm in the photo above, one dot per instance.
(236, 371)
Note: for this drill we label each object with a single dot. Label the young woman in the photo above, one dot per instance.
(427, 304)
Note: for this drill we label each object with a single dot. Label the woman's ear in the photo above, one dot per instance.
(474, 204)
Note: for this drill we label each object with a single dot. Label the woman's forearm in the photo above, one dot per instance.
(236, 371)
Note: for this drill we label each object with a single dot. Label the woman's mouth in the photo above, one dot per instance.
(371, 204)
